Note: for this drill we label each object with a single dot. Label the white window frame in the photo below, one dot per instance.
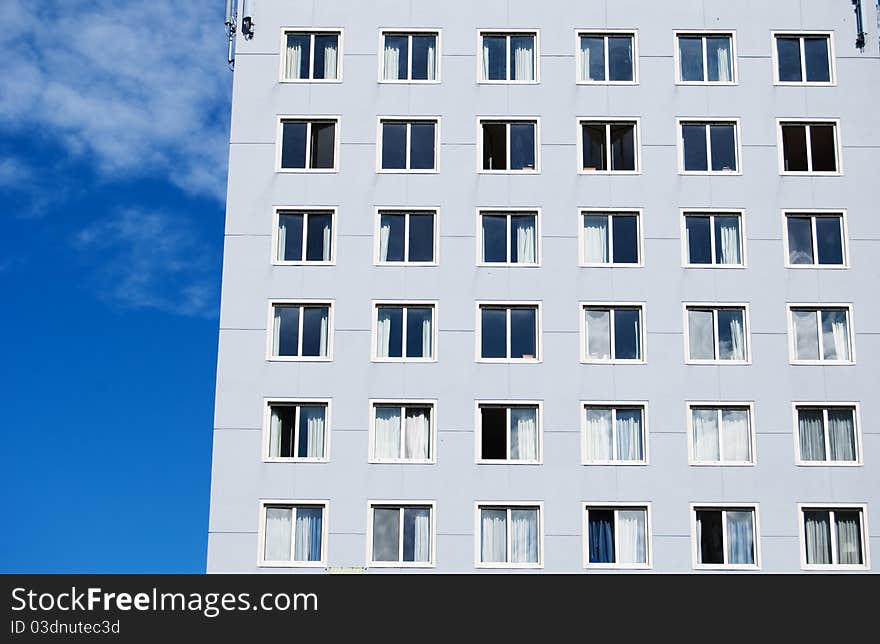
(507, 121)
(539, 345)
(404, 304)
(407, 121)
(636, 121)
(615, 405)
(261, 533)
(706, 122)
(507, 404)
(814, 214)
(312, 32)
(609, 212)
(401, 505)
(807, 122)
(309, 119)
(724, 507)
(605, 33)
(832, 58)
(862, 508)
(713, 212)
(815, 306)
(703, 34)
(825, 407)
(643, 340)
(747, 331)
(719, 407)
(270, 325)
(615, 506)
(402, 403)
(405, 211)
(506, 31)
(504, 210)
(410, 32)
(507, 505)
(268, 403)
(277, 211)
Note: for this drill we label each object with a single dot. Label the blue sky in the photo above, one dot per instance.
(113, 143)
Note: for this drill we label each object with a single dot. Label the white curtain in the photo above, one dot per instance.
(276, 332)
(432, 61)
(701, 335)
(811, 435)
(493, 536)
(279, 529)
(629, 435)
(631, 537)
(417, 434)
(740, 537)
(485, 61)
(737, 339)
(585, 60)
(312, 422)
(599, 435)
(330, 60)
(275, 434)
(293, 60)
(849, 546)
(523, 536)
(818, 536)
(325, 320)
(835, 335)
(383, 333)
(724, 65)
(598, 334)
(735, 435)
(392, 62)
(282, 238)
(806, 334)
(428, 337)
(596, 240)
(841, 435)
(705, 427)
(524, 65)
(307, 538)
(729, 241)
(523, 434)
(525, 241)
(328, 236)
(422, 533)
(384, 234)
(386, 434)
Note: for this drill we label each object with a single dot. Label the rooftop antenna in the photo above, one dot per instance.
(860, 25)
(247, 18)
(230, 33)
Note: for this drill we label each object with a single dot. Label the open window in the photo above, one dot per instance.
(509, 146)
(307, 145)
(617, 536)
(609, 146)
(509, 433)
(726, 537)
(298, 431)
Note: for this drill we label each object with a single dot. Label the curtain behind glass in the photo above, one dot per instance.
(701, 335)
(523, 232)
(737, 348)
(523, 433)
(629, 435)
(493, 536)
(296, 61)
(740, 537)
(417, 436)
(706, 441)
(598, 322)
(522, 50)
(835, 335)
(727, 240)
(735, 435)
(811, 436)
(279, 522)
(307, 540)
(599, 435)
(806, 334)
(386, 435)
(601, 535)
(330, 55)
(596, 239)
(632, 547)
(849, 537)
(817, 531)
(417, 534)
(383, 331)
(311, 431)
(841, 435)
(523, 536)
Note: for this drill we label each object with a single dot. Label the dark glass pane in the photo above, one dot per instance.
(823, 148)
(794, 148)
(401, 44)
(418, 323)
(306, 413)
(699, 240)
(386, 534)
(690, 51)
(293, 144)
(620, 58)
(788, 51)
(394, 316)
(626, 239)
(711, 536)
(495, 49)
(421, 238)
(695, 152)
(627, 334)
(493, 333)
(493, 429)
(800, 240)
(421, 146)
(523, 333)
(524, 47)
(601, 535)
(410, 517)
(522, 146)
(424, 61)
(494, 238)
(623, 147)
(817, 61)
(322, 44)
(396, 237)
(393, 146)
(287, 323)
(494, 146)
(290, 243)
(323, 144)
(719, 61)
(287, 415)
(829, 240)
(520, 240)
(314, 330)
(318, 239)
(303, 42)
(723, 139)
(593, 52)
(594, 147)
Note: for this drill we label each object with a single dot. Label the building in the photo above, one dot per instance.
(559, 286)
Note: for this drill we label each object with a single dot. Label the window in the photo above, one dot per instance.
(509, 146)
(508, 57)
(311, 56)
(610, 238)
(509, 238)
(614, 434)
(717, 334)
(402, 432)
(408, 146)
(834, 537)
(405, 332)
(301, 331)
(606, 58)
(293, 533)
(721, 435)
(725, 537)
(709, 147)
(820, 334)
(401, 535)
(508, 332)
(609, 146)
(510, 536)
(803, 59)
(815, 240)
(307, 145)
(713, 239)
(297, 430)
(304, 237)
(613, 333)
(617, 536)
(706, 58)
(809, 148)
(407, 237)
(827, 435)
(410, 57)
(509, 433)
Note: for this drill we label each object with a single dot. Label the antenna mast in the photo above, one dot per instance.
(231, 20)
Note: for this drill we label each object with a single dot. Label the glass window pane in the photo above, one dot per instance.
(601, 536)
(728, 241)
(599, 434)
(711, 537)
(690, 51)
(626, 239)
(701, 335)
(811, 434)
(829, 240)
(315, 330)
(823, 148)
(417, 534)
(422, 146)
(392, 238)
(296, 63)
(842, 434)
(794, 148)
(493, 535)
(494, 58)
(835, 335)
(494, 238)
(596, 234)
(419, 331)
(311, 431)
(731, 335)
(424, 57)
(293, 144)
(800, 240)
(627, 334)
(493, 332)
(620, 58)
(522, 58)
(594, 147)
(817, 533)
(522, 146)
(386, 534)
(632, 541)
(623, 147)
(849, 537)
(740, 537)
(706, 438)
(788, 51)
(290, 230)
(629, 435)
(523, 239)
(723, 139)
(719, 59)
(523, 536)
(421, 238)
(325, 56)
(286, 330)
(390, 332)
(323, 145)
(736, 435)
(598, 324)
(393, 146)
(279, 533)
(523, 333)
(696, 156)
(817, 61)
(699, 241)
(593, 58)
(319, 236)
(307, 539)
(396, 56)
(494, 146)
(806, 334)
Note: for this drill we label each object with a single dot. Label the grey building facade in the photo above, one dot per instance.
(706, 400)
